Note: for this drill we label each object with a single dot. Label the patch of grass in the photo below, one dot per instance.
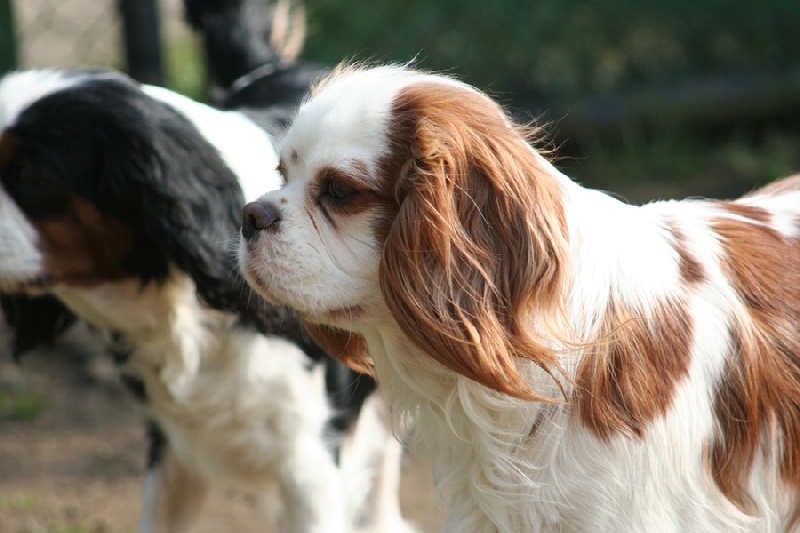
(185, 65)
(41, 519)
(71, 528)
(17, 502)
(22, 406)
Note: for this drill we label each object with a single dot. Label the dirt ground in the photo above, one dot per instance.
(72, 451)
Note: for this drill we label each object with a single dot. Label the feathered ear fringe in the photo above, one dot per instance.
(473, 264)
(349, 348)
(34, 320)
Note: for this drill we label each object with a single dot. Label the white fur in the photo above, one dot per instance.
(239, 409)
(491, 475)
(21, 89)
(245, 148)
(21, 261)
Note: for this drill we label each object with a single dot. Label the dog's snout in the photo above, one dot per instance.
(259, 216)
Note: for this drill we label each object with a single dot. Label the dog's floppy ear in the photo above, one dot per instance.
(474, 257)
(34, 320)
(142, 162)
(180, 196)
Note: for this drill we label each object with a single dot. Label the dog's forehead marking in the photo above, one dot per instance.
(349, 117)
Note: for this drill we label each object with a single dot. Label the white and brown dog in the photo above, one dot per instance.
(570, 362)
(117, 202)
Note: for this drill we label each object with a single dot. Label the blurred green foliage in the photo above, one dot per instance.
(678, 163)
(186, 67)
(556, 54)
(560, 49)
(21, 405)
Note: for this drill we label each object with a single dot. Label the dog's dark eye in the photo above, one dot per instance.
(337, 188)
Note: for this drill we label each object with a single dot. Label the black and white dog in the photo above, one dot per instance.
(252, 49)
(119, 202)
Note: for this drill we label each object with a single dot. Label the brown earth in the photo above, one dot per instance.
(72, 454)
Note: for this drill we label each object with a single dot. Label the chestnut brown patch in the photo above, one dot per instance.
(757, 403)
(789, 184)
(628, 376)
(691, 269)
(345, 346)
(82, 246)
(758, 214)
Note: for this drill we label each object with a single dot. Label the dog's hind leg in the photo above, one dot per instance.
(173, 495)
(372, 462)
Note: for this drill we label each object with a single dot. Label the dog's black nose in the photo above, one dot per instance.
(258, 216)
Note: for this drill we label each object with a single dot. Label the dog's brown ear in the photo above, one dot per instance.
(472, 268)
(349, 348)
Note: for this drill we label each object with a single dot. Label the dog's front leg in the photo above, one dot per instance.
(173, 494)
(311, 489)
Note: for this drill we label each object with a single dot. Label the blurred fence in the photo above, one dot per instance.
(126, 34)
(594, 66)
(67, 33)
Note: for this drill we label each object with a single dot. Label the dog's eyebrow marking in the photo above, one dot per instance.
(293, 156)
(360, 169)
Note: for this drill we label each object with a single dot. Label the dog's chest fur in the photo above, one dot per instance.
(218, 390)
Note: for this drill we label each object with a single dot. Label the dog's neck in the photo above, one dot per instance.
(130, 307)
(464, 430)
(161, 327)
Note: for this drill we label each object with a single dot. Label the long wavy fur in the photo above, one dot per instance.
(477, 246)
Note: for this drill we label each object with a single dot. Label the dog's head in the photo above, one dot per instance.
(413, 198)
(102, 182)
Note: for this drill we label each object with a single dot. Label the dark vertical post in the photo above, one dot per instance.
(141, 28)
(8, 37)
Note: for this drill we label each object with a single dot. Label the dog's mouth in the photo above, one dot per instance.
(282, 295)
(261, 286)
(340, 314)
